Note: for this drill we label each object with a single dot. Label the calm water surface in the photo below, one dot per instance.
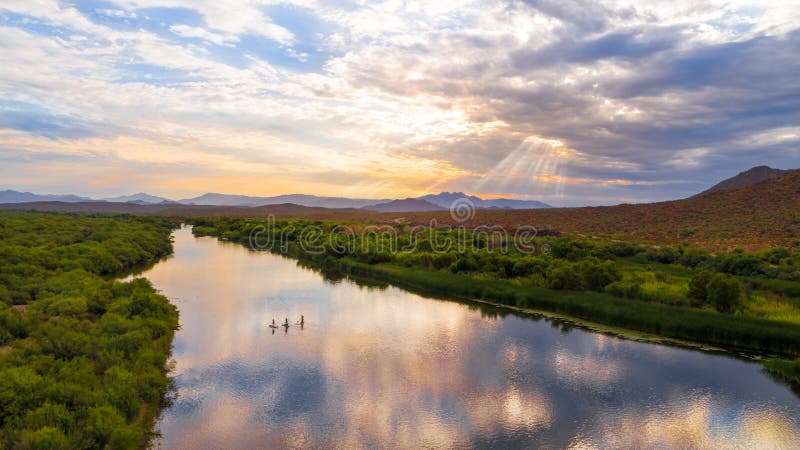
(386, 368)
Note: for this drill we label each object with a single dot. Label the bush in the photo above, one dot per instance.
(46, 438)
(100, 425)
(596, 275)
(742, 265)
(662, 255)
(68, 307)
(693, 257)
(5, 296)
(724, 293)
(622, 249)
(698, 286)
(564, 277)
(528, 266)
(5, 336)
(774, 255)
(464, 264)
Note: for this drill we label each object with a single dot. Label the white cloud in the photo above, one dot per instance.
(235, 17)
(196, 32)
(118, 13)
(451, 87)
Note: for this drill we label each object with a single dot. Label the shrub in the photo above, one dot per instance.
(46, 438)
(698, 286)
(565, 277)
(662, 255)
(693, 257)
(464, 264)
(5, 296)
(68, 307)
(100, 425)
(774, 255)
(622, 249)
(596, 275)
(724, 293)
(528, 266)
(742, 265)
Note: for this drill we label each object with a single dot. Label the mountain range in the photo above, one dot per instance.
(424, 203)
(446, 199)
(754, 215)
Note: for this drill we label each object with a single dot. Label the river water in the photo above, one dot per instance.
(382, 367)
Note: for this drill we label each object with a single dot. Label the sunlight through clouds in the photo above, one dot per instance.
(566, 102)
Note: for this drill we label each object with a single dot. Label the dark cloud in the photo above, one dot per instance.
(579, 15)
(629, 45)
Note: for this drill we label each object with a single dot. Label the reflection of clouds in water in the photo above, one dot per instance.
(378, 368)
(515, 409)
(419, 391)
(581, 370)
(696, 422)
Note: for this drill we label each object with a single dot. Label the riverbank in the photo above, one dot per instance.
(647, 320)
(669, 320)
(674, 331)
(84, 358)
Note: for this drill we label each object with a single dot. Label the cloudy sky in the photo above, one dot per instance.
(566, 102)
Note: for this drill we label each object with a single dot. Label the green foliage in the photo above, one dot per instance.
(565, 276)
(783, 369)
(663, 255)
(45, 438)
(743, 265)
(622, 249)
(607, 281)
(625, 289)
(693, 257)
(597, 275)
(87, 355)
(698, 286)
(724, 293)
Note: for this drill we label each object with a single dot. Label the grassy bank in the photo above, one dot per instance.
(82, 357)
(785, 370)
(733, 332)
(737, 301)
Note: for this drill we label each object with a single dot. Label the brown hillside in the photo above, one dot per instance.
(746, 178)
(760, 215)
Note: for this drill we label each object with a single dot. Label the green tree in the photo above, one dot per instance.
(724, 293)
(698, 286)
(46, 438)
(565, 277)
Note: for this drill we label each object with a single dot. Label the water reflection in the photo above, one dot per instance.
(380, 367)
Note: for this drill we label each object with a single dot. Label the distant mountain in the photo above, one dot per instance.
(24, 197)
(746, 178)
(297, 199)
(405, 205)
(140, 198)
(431, 202)
(446, 199)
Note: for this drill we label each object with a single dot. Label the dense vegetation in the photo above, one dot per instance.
(738, 299)
(82, 358)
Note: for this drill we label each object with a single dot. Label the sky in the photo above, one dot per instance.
(567, 102)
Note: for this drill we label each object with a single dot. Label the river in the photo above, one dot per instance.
(382, 367)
